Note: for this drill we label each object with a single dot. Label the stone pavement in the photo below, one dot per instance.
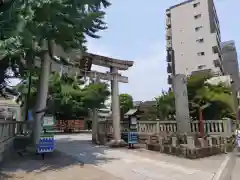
(138, 164)
(56, 166)
(78, 158)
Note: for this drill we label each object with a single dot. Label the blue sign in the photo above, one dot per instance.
(238, 139)
(46, 144)
(30, 116)
(132, 138)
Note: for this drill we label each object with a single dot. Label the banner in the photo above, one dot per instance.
(46, 143)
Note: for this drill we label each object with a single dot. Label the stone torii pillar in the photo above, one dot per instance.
(117, 141)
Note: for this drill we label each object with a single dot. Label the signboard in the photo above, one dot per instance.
(132, 138)
(238, 138)
(133, 120)
(48, 121)
(46, 143)
(30, 116)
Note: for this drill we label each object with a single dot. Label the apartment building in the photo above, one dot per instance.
(230, 67)
(193, 38)
(230, 62)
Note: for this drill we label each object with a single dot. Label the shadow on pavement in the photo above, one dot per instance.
(70, 153)
(84, 151)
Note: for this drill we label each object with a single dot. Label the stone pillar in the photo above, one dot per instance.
(94, 116)
(201, 141)
(190, 142)
(115, 109)
(174, 141)
(210, 143)
(158, 127)
(181, 103)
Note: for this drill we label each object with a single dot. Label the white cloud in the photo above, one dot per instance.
(148, 75)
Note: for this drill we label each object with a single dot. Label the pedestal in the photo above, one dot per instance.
(202, 143)
(210, 143)
(117, 143)
(174, 141)
(190, 142)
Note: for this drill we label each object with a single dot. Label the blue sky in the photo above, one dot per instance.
(136, 31)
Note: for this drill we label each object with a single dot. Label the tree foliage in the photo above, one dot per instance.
(26, 24)
(165, 106)
(66, 99)
(126, 102)
(200, 93)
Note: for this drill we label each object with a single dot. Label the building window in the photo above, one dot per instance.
(201, 53)
(198, 28)
(197, 16)
(200, 40)
(196, 4)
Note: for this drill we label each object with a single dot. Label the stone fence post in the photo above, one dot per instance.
(227, 127)
(158, 127)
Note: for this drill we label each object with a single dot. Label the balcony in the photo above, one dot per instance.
(168, 21)
(215, 15)
(169, 44)
(169, 56)
(168, 13)
(168, 34)
(217, 29)
(216, 41)
(217, 63)
(170, 80)
(169, 68)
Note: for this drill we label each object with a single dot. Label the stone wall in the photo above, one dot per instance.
(6, 148)
(191, 147)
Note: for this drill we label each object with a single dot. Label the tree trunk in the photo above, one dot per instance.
(29, 61)
(42, 93)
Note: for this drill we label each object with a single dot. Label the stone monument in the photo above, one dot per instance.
(181, 103)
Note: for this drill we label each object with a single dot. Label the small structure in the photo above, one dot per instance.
(146, 110)
(131, 118)
(104, 115)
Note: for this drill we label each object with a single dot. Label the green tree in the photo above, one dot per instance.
(126, 102)
(39, 25)
(165, 106)
(217, 97)
(66, 99)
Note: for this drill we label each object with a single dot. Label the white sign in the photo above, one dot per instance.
(133, 120)
(48, 121)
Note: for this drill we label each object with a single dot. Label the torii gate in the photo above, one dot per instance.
(83, 64)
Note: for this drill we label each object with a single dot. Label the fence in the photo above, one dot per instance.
(211, 127)
(8, 131)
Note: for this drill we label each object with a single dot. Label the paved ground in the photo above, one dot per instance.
(139, 164)
(108, 164)
(56, 166)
